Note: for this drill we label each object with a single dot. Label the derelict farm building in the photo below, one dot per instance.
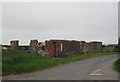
(57, 48)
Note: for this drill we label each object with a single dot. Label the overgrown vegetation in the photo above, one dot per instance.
(117, 65)
(119, 45)
(14, 62)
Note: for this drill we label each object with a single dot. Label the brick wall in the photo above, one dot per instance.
(34, 45)
(58, 48)
(14, 44)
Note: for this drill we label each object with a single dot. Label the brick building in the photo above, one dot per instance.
(14, 44)
(84, 46)
(95, 46)
(90, 46)
(87, 47)
(57, 48)
(41, 46)
(37, 46)
(34, 45)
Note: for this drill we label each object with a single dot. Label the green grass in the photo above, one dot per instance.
(117, 65)
(22, 62)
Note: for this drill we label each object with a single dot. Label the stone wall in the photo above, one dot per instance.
(90, 47)
(95, 46)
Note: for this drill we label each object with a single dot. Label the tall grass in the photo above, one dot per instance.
(20, 62)
(117, 65)
(14, 62)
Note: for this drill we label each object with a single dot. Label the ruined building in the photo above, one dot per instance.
(95, 46)
(14, 44)
(57, 48)
(90, 46)
(37, 46)
(41, 46)
(34, 45)
(84, 47)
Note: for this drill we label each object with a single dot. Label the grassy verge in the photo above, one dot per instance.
(117, 65)
(21, 62)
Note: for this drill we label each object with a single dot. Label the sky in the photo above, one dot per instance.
(0, 22)
(88, 21)
(119, 20)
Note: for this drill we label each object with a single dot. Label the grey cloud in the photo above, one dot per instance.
(68, 20)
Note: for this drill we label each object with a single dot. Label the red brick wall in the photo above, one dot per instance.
(14, 44)
(58, 48)
(34, 45)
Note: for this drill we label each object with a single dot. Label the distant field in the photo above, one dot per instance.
(22, 62)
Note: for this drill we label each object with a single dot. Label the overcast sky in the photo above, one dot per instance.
(86, 21)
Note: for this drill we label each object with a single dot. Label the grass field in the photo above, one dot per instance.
(22, 62)
(117, 65)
